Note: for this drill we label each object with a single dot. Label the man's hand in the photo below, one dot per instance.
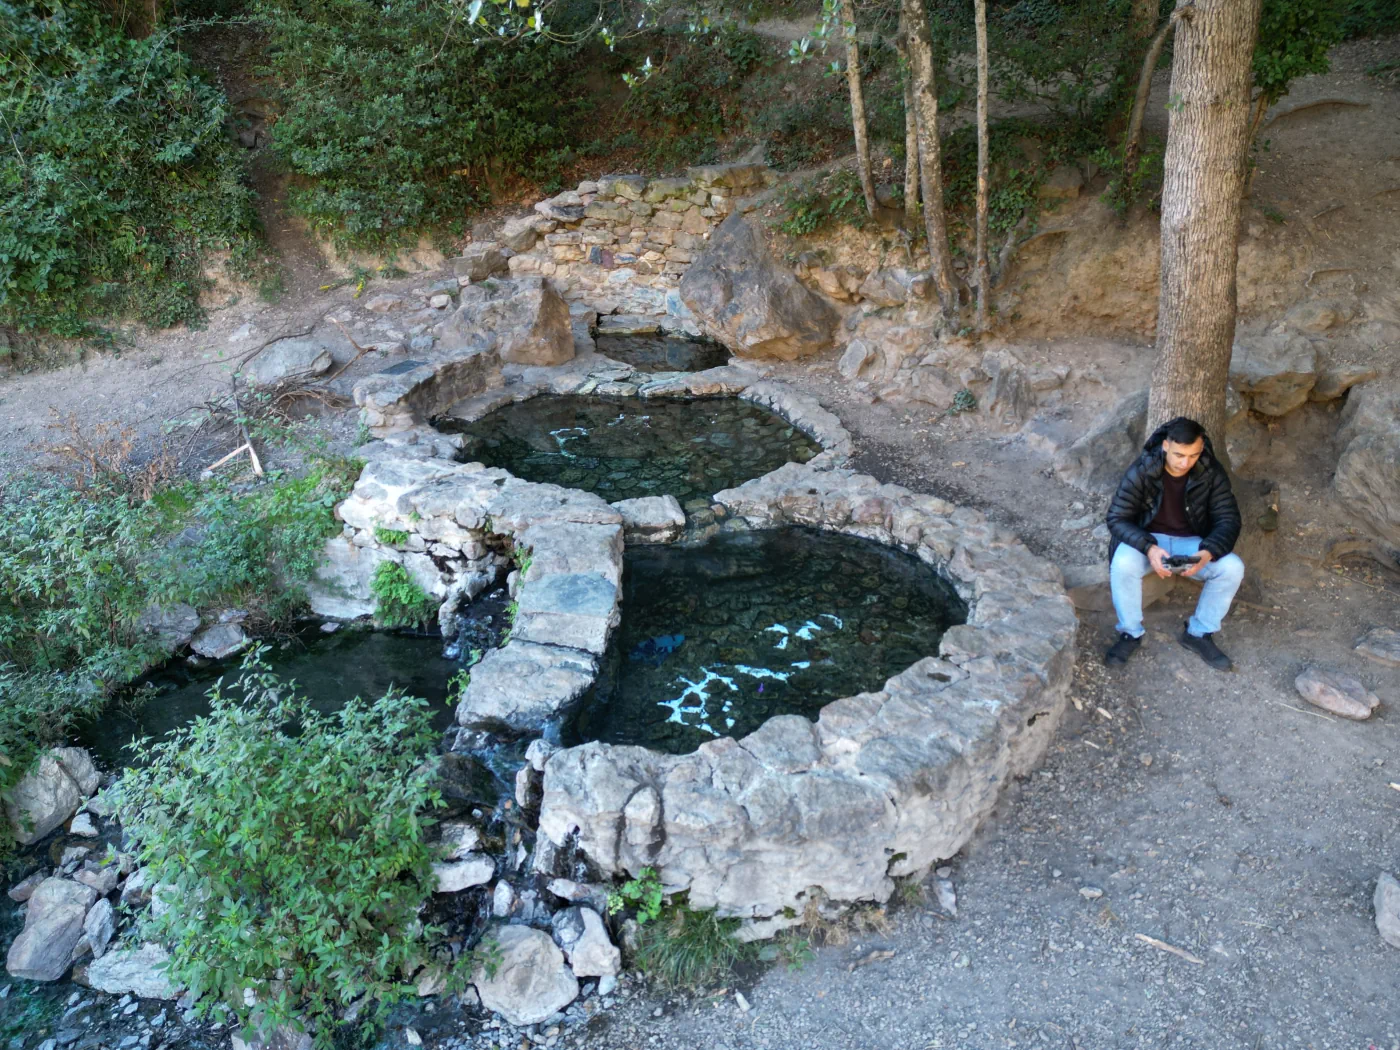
(1203, 559)
(1156, 557)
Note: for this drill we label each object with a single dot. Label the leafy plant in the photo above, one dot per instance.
(1294, 38)
(390, 537)
(963, 401)
(690, 949)
(295, 845)
(834, 200)
(642, 893)
(401, 601)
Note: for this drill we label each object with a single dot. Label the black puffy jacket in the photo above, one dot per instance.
(1210, 502)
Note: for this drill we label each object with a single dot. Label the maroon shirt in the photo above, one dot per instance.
(1171, 515)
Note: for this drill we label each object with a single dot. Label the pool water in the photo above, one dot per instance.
(662, 353)
(718, 638)
(622, 448)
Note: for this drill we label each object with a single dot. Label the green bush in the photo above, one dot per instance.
(401, 602)
(397, 119)
(295, 844)
(1294, 38)
(118, 179)
(690, 949)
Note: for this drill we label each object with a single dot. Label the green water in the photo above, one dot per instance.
(622, 448)
(663, 353)
(716, 639)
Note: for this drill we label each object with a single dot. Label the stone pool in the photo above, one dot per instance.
(718, 638)
(660, 352)
(625, 447)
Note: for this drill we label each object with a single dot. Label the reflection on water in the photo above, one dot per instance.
(716, 639)
(663, 353)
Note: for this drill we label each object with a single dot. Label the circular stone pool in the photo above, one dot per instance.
(624, 448)
(718, 638)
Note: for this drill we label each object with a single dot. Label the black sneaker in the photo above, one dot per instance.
(1206, 649)
(1121, 650)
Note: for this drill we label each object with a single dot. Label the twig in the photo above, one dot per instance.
(1163, 946)
(224, 459)
(243, 427)
(360, 351)
(1303, 711)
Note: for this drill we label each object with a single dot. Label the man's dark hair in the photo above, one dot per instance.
(1183, 431)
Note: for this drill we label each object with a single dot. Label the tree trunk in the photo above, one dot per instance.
(1132, 144)
(1206, 142)
(858, 124)
(911, 128)
(983, 279)
(930, 156)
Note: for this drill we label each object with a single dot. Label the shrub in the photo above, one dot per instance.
(117, 181)
(294, 841)
(690, 949)
(401, 601)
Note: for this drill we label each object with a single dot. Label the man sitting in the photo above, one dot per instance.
(1174, 501)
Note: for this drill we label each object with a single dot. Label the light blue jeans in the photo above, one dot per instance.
(1221, 579)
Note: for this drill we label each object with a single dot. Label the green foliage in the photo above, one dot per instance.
(1142, 185)
(963, 401)
(390, 537)
(402, 602)
(833, 200)
(398, 118)
(1364, 18)
(524, 558)
(690, 949)
(117, 182)
(295, 843)
(1294, 37)
(642, 893)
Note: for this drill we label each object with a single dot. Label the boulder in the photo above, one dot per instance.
(1339, 693)
(136, 971)
(219, 641)
(1367, 480)
(587, 946)
(743, 299)
(24, 889)
(1387, 902)
(53, 926)
(1096, 461)
(286, 359)
(283, 1037)
(401, 398)
(1382, 645)
(98, 927)
(1063, 184)
(1277, 371)
(523, 685)
(859, 356)
(341, 588)
(459, 839)
(574, 610)
(526, 319)
(383, 303)
(651, 519)
(77, 763)
(1009, 400)
(885, 288)
(44, 798)
(521, 233)
(480, 261)
(172, 625)
(531, 981)
(476, 869)
(1336, 379)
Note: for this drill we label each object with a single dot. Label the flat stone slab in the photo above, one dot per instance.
(572, 548)
(1382, 645)
(523, 685)
(572, 610)
(651, 519)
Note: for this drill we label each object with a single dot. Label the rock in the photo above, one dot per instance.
(383, 303)
(743, 299)
(1063, 184)
(432, 980)
(1090, 893)
(283, 1037)
(1387, 903)
(574, 610)
(502, 900)
(1276, 371)
(520, 234)
(219, 641)
(135, 891)
(885, 288)
(525, 319)
(459, 838)
(651, 519)
(1367, 479)
(1316, 317)
(531, 981)
(480, 261)
(858, 357)
(53, 926)
(99, 925)
(584, 938)
(172, 625)
(566, 207)
(537, 754)
(24, 889)
(1337, 379)
(476, 869)
(523, 685)
(1382, 645)
(101, 877)
(1339, 693)
(1096, 461)
(77, 763)
(400, 398)
(1009, 399)
(299, 358)
(43, 798)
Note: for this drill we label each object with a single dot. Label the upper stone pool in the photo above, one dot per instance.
(659, 352)
(624, 448)
(716, 639)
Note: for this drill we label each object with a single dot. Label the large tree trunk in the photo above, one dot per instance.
(983, 280)
(911, 127)
(930, 155)
(1206, 141)
(858, 124)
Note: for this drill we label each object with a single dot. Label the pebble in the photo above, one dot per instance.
(658, 1011)
(411, 1034)
(1090, 893)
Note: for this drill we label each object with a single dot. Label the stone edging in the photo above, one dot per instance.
(800, 814)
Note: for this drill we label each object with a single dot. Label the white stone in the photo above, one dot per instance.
(531, 981)
(219, 641)
(42, 799)
(651, 519)
(53, 926)
(99, 926)
(1387, 904)
(454, 876)
(138, 971)
(584, 938)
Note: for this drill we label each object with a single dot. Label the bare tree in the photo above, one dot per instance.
(911, 127)
(920, 47)
(1132, 141)
(1201, 204)
(858, 122)
(983, 278)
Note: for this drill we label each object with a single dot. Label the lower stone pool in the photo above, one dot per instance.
(716, 639)
(623, 448)
(662, 353)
